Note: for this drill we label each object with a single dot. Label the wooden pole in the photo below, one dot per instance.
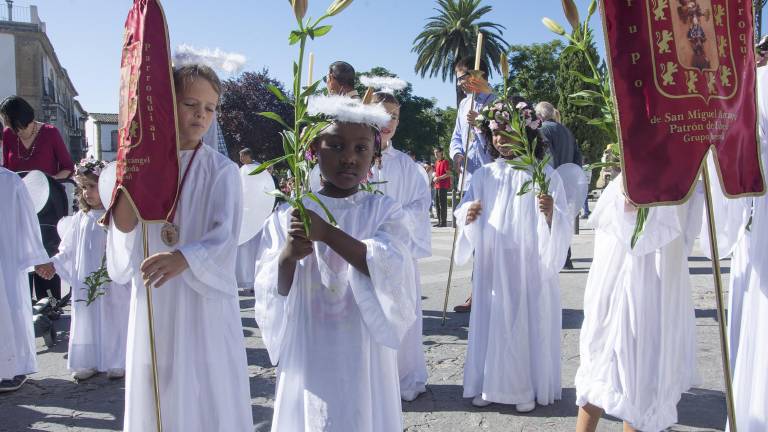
(478, 56)
(721, 318)
(153, 352)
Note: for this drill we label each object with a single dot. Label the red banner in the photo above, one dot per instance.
(147, 157)
(683, 75)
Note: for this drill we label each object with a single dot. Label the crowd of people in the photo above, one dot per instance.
(339, 304)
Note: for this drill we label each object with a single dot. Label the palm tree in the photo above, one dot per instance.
(451, 35)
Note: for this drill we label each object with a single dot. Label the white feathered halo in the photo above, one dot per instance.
(383, 83)
(347, 110)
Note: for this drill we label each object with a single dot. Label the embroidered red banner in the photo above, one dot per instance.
(683, 75)
(147, 157)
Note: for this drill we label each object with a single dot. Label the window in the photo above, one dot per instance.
(112, 142)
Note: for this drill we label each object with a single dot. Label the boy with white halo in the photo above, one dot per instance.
(397, 176)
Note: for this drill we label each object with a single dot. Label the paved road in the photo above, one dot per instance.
(51, 401)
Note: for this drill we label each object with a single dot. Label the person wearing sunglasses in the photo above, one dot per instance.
(473, 151)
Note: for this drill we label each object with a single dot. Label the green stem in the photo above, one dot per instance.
(298, 114)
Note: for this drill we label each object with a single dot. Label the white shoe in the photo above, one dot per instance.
(83, 374)
(479, 402)
(115, 373)
(411, 395)
(525, 407)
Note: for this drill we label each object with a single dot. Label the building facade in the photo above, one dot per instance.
(30, 68)
(101, 136)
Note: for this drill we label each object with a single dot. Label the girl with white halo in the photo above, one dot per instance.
(99, 329)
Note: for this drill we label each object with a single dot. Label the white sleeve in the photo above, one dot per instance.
(384, 298)
(468, 237)
(31, 251)
(64, 260)
(211, 259)
(554, 240)
(124, 253)
(272, 310)
(416, 209)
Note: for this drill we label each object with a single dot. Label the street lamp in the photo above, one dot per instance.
(10, 9)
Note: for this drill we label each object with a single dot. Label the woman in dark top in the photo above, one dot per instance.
(31, 145)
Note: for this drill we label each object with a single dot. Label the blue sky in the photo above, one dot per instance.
(87, 34)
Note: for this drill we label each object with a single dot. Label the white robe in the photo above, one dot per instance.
(638, 340)
(404, 182)
(202, 365)
(334, 337)
(513, 352)
(20, 248)
(98, 333)
(247, 252)
(748, 306)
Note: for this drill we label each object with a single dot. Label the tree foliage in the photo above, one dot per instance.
(243, 98)
(533, 71)
(574, 116)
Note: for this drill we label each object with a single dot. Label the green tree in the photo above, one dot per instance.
(418, 130)
(533, 71)
(575, 117)
(452, 34)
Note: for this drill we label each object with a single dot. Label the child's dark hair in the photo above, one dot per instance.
(81, 202)
(18, 112)
(186, 74)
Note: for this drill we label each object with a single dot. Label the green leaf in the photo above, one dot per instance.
(277, 193)
(586, 94)
(584, 78)
(312, 89)
(264, 165)
(313, 197)
(276, 91)
(276, 117)
(642, 216)
(295, 37)
(322, 30)
(525, 187)
(583, 102)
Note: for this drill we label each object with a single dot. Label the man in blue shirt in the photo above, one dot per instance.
(477, 154)
(474, 151)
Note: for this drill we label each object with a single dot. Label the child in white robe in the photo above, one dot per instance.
(246, 252)
(333, 306)
(748, 306)
(519, 242)
(202, 366)
(21, 248)
(400, 178)
(637, 343)
(98, 332)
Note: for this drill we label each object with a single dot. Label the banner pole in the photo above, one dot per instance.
(153, 352)
(721, 317)
(478, 57)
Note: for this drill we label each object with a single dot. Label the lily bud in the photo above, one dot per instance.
(299, 8)
(571, 14)
(592, 7)
(553, 26)
(337, 6)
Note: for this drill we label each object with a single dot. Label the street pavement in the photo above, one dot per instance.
(51, 401)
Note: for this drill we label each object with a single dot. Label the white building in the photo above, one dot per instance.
(101, 136)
